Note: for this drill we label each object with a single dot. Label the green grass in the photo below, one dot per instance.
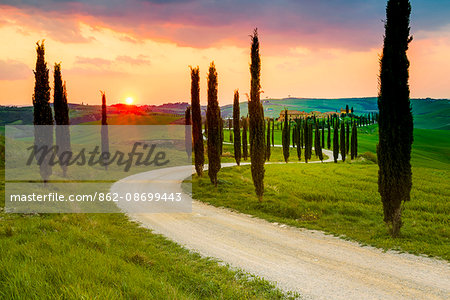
(341, 199)
(106, 256)
(431, 148)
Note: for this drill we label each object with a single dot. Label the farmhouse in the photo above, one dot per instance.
(293, 114)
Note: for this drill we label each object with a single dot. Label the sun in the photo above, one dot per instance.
(129, 100)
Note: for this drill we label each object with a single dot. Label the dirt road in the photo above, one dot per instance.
(316, 265)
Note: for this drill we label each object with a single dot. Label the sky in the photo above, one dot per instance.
(142, 49)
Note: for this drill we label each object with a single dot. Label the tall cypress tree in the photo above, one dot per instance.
(230, 124)
(244, 138)
(306, 140)
(236, 128)
(317, 145)
(285, 137)
(104, 132)
(395, 117)
(222, 137)
(299, 148)
(62, 132)
(199, 151)
(323, 134)
(329, 137)
(256, 113)
(215, 126)
(41, 97)
(336, 143)
(347, 136)
(273, 132)
(188, 132)
(342, 141)
(268, 141)
(353, 150)
(43, 135)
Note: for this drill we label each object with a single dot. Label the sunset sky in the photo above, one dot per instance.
(143, 48)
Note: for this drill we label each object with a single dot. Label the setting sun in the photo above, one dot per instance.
(129, 100)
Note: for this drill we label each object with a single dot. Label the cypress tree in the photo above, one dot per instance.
(354, 146)
(104, 132)
(310, 141)
(346, 109)
(329, 137)
(347, 142)
(306, 139)
(336, 143)
(301, 134)
(244, 138)
(323, 135)
(268, 141)
(43, 135)
(229, 130)
(197, 135)
(285, 137)
(395, 117)
(317, 145)
(273, 132)
(215, 126)
(342, 141)
(256, 113)
(222, 137)
(187, 132)
(299, 148)
(62, 132)
(236, 128)
(41, 97)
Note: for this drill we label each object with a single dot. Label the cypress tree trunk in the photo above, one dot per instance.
(199, 151)
(43, 135)
(244, 138)
(285, 137)
(256, 113)
(215, 126)
(62, 131)
(236, 128)
(104, 133)
(343, 147)
(188, 132)
(336, 143)
(395, 117)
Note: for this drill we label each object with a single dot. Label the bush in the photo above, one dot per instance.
(370, 156)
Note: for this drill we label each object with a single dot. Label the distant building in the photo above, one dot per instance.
(292, 115)
(295, 114)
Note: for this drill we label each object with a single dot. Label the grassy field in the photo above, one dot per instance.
(341, 199)
(428, 113)
(106, 256)
(431, 148)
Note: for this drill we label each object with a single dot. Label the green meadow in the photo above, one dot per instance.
(107, 256)
(342, 199)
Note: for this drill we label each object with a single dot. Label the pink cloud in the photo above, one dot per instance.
(14, 70)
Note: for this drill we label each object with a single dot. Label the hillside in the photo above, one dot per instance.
(428, 113)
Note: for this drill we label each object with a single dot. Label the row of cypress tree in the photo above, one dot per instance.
(42, 113)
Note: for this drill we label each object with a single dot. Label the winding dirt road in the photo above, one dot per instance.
(316, 265)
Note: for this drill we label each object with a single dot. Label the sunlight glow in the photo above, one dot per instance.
(129, 100)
